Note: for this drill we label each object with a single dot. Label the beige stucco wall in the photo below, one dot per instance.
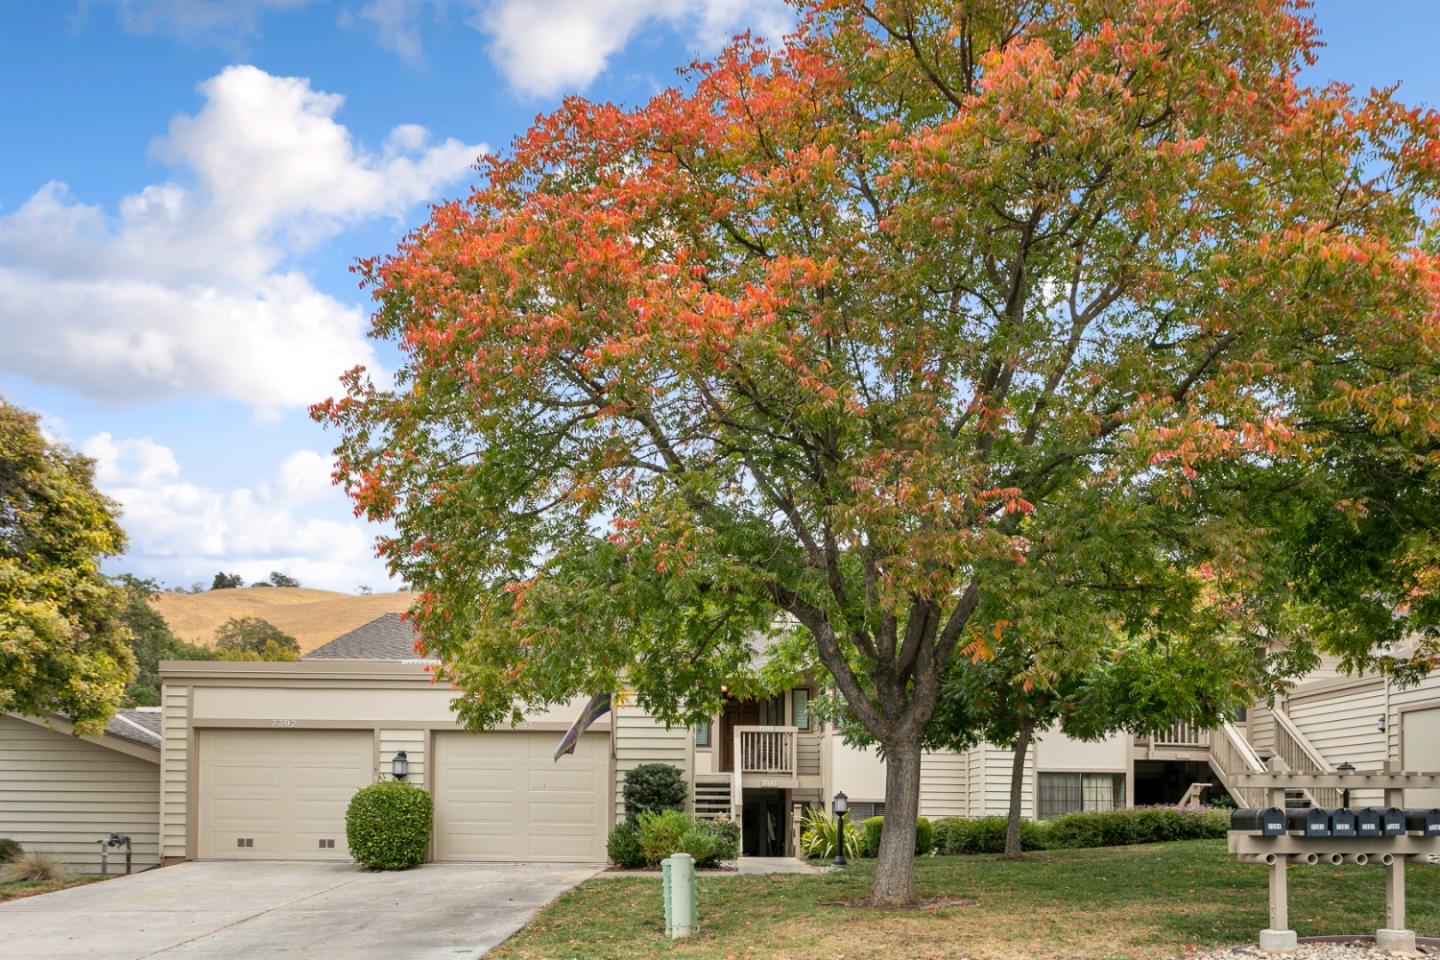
(60, 794)
(860, 773)
(1055, 751)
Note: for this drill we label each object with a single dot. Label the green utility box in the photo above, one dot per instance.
(682, 915)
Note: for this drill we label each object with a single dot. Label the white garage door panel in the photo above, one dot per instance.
(284, 790)
(501, 796)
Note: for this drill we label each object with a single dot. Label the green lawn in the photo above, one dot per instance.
(13, 891)
(1152, 901)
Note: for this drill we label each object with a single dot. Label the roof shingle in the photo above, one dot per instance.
(387, 637)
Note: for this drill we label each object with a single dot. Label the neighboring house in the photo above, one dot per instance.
(259, 760)
(61, 794)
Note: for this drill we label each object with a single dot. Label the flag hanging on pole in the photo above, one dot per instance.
(598, 706)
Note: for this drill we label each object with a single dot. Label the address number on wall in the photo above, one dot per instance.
(284, 723)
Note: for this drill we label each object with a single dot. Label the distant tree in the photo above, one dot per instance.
(261, 583)
(227, 581)
(364, 590)
(278, 579)
(251, 638)
(151, 640)
(62, 642)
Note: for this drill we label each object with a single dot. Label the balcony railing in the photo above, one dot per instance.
(767, 750)
(1183, 735)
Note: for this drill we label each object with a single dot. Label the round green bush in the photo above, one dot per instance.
(10, 850)
(387, 825)
(652, 788)
(870, 836)
(624, 847)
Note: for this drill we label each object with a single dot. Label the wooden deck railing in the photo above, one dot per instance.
(766, 750)
(1297, 755)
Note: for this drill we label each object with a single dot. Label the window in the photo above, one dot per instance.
(772, 712)
(800, 708)
(864, 811)
(702, 734)
(1062, 793)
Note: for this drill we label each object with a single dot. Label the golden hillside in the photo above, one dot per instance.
(311, 616)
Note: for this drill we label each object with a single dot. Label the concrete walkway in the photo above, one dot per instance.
(265, 910)
(750, 865)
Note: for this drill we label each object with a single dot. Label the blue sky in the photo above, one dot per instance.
(187, 181)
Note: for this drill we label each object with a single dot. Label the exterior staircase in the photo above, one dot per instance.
(714, 795)
(1232, 755)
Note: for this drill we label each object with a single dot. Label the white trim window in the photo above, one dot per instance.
(1062, 793)
(800, 708)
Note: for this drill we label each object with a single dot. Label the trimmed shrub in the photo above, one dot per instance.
(658, 835)
(870, 836)
(387, 825)
(653, 788)
(869, 831)
(10, 850)
(624, 847)
(924, 837)
(1120, 828)
(961, 835)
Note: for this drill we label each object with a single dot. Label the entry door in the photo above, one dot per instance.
(738, 713)
(279, 794)
(502, 796)
(1420, 738)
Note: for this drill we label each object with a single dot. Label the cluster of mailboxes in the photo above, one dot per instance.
(1344, 823)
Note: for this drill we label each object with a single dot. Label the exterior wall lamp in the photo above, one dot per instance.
(400, 766)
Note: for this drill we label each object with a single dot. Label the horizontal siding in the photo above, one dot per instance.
(413, 743)
(995, 789)
(1342, 724)
(60, 794)
(944, 784)
(641, 739)
(1260, 728)
(807, 754)
(174, 769)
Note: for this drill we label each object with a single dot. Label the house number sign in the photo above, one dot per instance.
(284, 723)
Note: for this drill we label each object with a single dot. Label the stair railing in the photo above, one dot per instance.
(1300, 756)
(1232, 755)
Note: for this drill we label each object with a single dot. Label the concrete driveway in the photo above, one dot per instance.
(256, 911)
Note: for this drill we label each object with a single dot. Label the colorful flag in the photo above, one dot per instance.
(598, 706)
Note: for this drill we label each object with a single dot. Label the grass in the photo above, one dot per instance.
(14, 891)
(310, 616)
(1161, 900)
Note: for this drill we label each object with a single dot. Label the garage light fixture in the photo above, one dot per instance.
(400, 766)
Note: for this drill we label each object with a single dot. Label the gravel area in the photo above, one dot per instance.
(1314, 951)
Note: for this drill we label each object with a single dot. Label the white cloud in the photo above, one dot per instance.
(181, 532)
(397, 27)
(190, 287)
(548, 47)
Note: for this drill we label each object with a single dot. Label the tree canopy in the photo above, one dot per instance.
(254, 638)
(63, 645)
(151, 640)
(935, 321)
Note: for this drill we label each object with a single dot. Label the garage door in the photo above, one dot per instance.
(279, 794)
(1420, 736)
(500, 796)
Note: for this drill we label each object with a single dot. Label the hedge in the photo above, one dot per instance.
(656, 835)
(870, 836)
(653, 788)
(959, 835)
(387, 825)
(10, 850)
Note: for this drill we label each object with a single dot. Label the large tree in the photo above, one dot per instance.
(151, 640)
(63, 645)
(842, 334)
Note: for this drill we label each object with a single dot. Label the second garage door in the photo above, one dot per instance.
(501, 796)
(279, 794)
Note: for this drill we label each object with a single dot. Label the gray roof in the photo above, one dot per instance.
(140, 724)
(387, 637)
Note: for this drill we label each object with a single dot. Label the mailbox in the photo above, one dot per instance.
(1313, 822)
(1367, 823)
(1392, 822)
(1424, 822)
(1268, 822)
(1342, 823)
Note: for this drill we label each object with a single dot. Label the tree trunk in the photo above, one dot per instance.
(1017, 786)
(895, 867)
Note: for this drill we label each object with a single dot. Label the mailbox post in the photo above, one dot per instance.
(1388, 836)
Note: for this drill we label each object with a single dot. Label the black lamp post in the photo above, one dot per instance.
(840, 805)
(400, 766)
(1345, 768)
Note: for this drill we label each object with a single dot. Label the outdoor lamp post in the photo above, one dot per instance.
(400, 766)
(1345, 768)
(840, 805)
